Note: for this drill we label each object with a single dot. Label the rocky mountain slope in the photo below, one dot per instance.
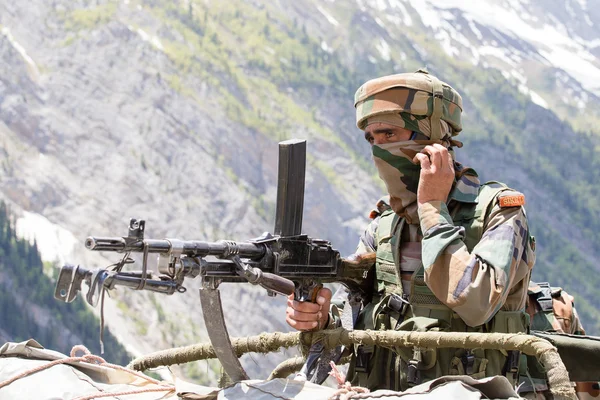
(171, 111)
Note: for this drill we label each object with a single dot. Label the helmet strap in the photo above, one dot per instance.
(436, 114)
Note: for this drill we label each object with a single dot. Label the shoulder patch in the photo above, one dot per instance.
(511, 199)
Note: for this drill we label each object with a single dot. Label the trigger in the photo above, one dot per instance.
(315, 292)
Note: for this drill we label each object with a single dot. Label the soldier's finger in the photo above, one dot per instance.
(450, 163)
(305, 317)
(444, 155)
(300, 325)
(422, 159)
(305, 306)
(324, 296)
(435, 156)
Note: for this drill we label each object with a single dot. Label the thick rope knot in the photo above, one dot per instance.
(330, 338)
(305, 340)
(345, 389)
(87, 355)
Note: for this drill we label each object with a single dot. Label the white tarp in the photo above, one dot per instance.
(81, 380)
(454, 387)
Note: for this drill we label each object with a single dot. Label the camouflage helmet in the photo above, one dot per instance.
(416, 94)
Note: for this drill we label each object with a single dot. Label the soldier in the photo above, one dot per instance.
(551, 309)
(451, 254)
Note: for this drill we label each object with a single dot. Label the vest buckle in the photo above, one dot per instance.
(414, 368)
(511, 367)
(398, 304)
(363, 355)
(468, 361)
(544, 297)
(414, 374)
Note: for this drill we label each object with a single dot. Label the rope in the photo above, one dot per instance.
(545, 352)
(264, 343)
(103, 290)
(287, 367)
(93, 359)
(116, 267)
(294, 364)
(123, 393)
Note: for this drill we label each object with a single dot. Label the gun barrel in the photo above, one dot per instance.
(192, 248)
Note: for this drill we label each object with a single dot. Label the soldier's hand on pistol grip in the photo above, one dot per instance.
(437, 174)
(305, 315)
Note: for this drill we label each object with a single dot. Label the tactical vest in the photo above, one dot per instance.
(398, 369)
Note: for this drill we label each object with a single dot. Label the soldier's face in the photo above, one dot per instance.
(381, 133)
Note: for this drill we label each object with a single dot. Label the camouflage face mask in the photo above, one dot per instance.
(400, 174)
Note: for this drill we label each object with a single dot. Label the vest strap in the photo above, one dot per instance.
(544, 297)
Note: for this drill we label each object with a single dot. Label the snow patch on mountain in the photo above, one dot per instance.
(33, 69)
(153, 40)
(521, 81)
(560, 47)
(328, 16)
(54, 243)
(406, 18)
(384, 49)
(537, 99)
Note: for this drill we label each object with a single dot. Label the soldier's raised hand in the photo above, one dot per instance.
(305, 315)
(437, 173)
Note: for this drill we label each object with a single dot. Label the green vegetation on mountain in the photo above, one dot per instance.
(28, 308)
(87, 18)
(263, 65)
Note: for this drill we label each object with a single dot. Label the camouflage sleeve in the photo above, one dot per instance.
(494, 275)
(367, 242)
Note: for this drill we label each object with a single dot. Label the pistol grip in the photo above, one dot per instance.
(307, 292)
(314, 292)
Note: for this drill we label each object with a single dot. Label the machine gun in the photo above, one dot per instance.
(285, 263)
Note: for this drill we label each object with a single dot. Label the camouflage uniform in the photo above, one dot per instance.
(454, 265)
